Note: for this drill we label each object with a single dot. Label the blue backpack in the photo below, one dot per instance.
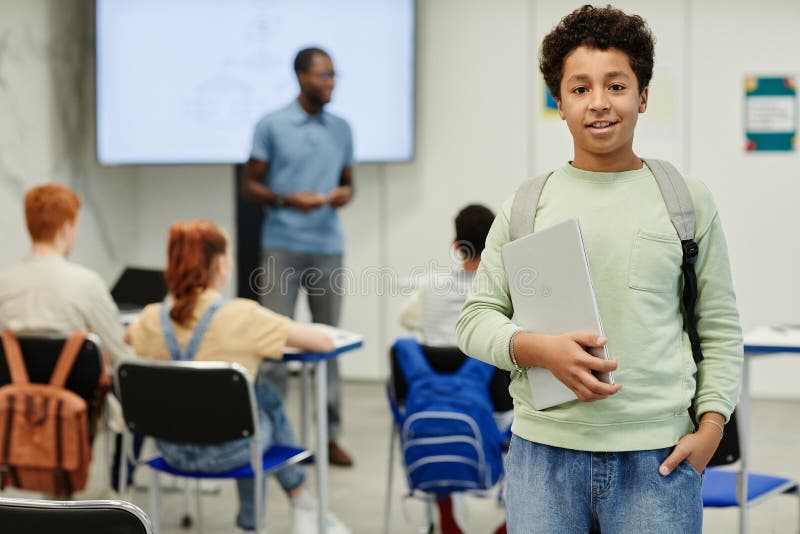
(449, 438)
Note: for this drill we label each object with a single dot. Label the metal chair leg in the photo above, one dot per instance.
(305, 406)
(155, 502)
(387, 507)
(198, 509)
(258, 475)
(429, 512)
(126, 445)
(186, 520)
(109, 448)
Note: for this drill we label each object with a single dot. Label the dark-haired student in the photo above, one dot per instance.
(433, 309)
(624, 457)
(432, 313)
(235, 330)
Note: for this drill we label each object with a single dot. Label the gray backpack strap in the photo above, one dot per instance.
(681, 212)
(676, 196)
(523, 209)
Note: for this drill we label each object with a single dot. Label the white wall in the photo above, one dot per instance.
(479, 132)
(47, 132)
(167, 194)
(756, 192)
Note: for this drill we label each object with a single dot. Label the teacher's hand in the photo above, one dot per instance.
(340, 196)
(305, 200)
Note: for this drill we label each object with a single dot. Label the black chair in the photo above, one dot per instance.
(441, 360)
(41, 352)
(28, 516)
(196, 402)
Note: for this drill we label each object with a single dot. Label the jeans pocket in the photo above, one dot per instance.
(686, 466)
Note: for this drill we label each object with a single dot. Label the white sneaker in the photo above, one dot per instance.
(305, 522)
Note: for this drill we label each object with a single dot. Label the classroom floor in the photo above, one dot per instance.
(358, 493)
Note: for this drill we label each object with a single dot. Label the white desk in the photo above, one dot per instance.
(344, 342)
(761, 341)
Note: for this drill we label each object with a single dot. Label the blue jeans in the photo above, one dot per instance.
(549, 489)
(275, 429)
(286, 272)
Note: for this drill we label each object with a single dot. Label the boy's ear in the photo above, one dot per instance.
(561, 113)
(643, 100)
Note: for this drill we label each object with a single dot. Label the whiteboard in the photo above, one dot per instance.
(186, 81)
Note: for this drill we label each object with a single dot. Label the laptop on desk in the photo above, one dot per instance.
(136, 288)
(552, 293)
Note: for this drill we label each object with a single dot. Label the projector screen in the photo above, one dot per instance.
(185, 81)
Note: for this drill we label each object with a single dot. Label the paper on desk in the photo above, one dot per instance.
(774, 336)
(341, 338)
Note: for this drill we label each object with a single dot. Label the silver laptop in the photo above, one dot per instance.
(552, 293)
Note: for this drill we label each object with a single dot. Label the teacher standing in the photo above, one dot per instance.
(301, 170)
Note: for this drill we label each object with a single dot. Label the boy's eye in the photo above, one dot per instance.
(579, 90)
(617, 87)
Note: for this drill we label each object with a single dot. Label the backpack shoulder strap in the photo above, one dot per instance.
(681, 212)
(411, 359)
(69, 353)
(676, 196)
(523, 208)
(16, 365)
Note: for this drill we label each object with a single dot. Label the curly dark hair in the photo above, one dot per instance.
(601, 28)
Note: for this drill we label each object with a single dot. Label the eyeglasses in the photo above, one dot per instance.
(326, 75)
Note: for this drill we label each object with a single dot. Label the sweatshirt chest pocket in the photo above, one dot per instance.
(655, 262)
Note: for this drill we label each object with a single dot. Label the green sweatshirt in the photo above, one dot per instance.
(635, 258)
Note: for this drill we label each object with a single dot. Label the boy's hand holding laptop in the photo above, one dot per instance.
(564, 356)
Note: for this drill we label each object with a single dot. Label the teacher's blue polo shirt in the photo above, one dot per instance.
(304, 152)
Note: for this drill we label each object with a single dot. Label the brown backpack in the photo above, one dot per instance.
(44, 429)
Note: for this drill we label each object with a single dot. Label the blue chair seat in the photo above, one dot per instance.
(719, 487)
(274, 458)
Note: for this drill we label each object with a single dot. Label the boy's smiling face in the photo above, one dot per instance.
(600, 101)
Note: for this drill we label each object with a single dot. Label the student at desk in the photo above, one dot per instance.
(197, 323)
(432, 313)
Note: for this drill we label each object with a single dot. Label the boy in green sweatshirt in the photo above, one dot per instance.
(624, 457)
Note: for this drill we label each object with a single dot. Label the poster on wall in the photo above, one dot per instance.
(770, 113)
(549, 105)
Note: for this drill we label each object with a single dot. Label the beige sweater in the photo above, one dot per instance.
(48, 293)
(241, 331)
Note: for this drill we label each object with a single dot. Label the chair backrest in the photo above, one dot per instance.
(28, 516)
(448, 360)
(41, 353)
(187, 402)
